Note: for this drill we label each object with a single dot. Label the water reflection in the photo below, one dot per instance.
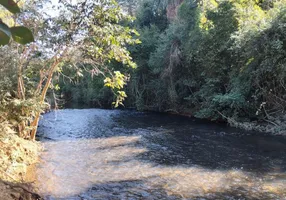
(98, 154)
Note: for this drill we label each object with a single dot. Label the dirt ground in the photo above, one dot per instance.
(17, 158)
(11, 191)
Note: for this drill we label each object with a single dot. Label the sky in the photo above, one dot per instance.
(52, 7)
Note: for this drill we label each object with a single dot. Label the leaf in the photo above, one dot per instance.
(10, 5)
(22, 34)
(57, 87)
(5, 34)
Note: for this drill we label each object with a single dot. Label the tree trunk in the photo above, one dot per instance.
(21, 94)
(42, 99)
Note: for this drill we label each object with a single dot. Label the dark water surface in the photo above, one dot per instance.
(111, 154)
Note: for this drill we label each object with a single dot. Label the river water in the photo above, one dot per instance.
(111, 154)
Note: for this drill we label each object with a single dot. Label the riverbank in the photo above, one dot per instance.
(275, 126)
(16, 157)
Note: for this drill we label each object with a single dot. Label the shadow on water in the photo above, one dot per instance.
(105, 154)
(131, 189)
(186, 141)
(136, 189)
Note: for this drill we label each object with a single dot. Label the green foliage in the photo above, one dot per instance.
(20, 34)
(215, 59)
(83, 40)
(105, 43)
(10, 5)
(19, 110)
(84, 91)
(5, 34)
(152, 13)
(218, 60)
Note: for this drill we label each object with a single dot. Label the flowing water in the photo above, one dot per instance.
(112, 154)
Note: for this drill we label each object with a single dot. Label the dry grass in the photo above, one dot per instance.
(16, 154)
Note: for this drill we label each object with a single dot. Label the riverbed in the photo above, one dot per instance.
(112, 154)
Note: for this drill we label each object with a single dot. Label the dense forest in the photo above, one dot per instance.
(218, 60)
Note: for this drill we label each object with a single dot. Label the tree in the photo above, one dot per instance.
(91, 35)
(86, 34)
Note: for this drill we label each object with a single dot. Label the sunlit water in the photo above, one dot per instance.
(104, 154)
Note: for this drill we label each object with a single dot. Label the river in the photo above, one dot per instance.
(112, 154)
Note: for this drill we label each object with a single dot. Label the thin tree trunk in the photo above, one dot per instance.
(39, 87)
(42, 99)
(21, 92)
(55, 100)
(21, 86)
